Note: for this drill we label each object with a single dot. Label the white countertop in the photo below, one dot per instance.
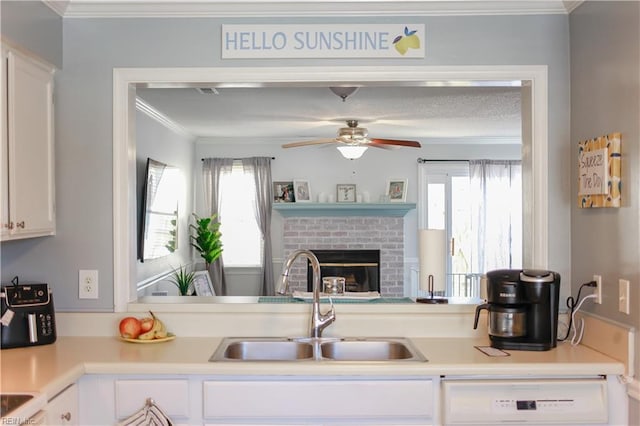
(87, 345)
(49, 369)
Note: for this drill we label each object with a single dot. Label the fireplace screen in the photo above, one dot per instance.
(360, 268)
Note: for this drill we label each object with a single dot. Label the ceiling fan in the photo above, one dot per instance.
(353, 141)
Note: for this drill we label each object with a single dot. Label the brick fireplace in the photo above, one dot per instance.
(349, 233)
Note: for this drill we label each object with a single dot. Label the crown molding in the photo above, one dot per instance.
(300, 8)
(156, 115)
(571, 5)
(58, 6)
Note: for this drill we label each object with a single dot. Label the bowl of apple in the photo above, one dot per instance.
(144, 330)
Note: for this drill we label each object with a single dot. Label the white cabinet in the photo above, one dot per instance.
(335, 400)
(27, 156)
(171, 396)
(108, 399)
(63, 409)
(263, 400)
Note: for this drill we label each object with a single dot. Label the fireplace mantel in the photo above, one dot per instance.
(343, 209)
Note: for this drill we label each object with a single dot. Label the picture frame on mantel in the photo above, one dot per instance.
(397, 190)
(346, 193)
(283, 192)
(302, 191)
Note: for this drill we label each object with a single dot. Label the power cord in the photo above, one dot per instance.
(574, 305)
(575, 340)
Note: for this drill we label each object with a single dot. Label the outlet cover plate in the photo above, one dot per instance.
(88, 284)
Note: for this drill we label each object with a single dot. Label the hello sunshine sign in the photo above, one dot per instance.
(599, 183)
(397, 41)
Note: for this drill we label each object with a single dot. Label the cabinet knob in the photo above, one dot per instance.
(20, 224)
(9, 225)
(66, 416)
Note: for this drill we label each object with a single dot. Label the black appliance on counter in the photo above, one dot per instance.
(522, 308)
(27, 315)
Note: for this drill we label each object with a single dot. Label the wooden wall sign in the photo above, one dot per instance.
(599, 183)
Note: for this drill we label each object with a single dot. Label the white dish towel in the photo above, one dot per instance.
(149, 415)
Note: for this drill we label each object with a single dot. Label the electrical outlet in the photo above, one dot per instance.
(598, 290)
(88, 284)
(623, 296)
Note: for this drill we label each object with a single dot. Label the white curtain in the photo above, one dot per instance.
(496, 223)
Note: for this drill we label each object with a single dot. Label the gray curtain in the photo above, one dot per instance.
(260, 167)
(212, 170)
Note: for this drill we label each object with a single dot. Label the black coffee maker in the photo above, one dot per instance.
(522, 308)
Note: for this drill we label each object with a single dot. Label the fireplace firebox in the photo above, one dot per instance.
(360, 268)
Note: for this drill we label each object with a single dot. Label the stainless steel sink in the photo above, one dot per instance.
(309, 349)
(263, 349)
(373, 349)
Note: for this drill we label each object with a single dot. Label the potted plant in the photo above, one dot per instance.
(182, 279)
(206, 238)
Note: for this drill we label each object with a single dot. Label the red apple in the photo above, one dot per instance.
(130, 327)
(146, 324)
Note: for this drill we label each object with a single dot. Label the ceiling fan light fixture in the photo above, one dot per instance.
(352, 152)
(352, 135)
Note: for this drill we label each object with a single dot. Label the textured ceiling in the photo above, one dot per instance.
(288, 113)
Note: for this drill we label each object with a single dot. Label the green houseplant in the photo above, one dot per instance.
(182, 279)
(205, 238)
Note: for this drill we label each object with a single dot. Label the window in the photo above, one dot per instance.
(480, 208)
(241, 236)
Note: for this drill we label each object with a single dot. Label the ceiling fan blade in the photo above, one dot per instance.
(312, 142)
(397, 142)
(382, 146)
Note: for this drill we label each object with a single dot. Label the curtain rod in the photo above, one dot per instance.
(202, 159)
(424, 160)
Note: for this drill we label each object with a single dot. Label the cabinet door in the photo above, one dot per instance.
(30, 148)
(4, 153)
(63, 409)
(171, 396)
(319, 401)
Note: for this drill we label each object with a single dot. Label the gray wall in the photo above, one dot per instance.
(325, 167)
(34, 27)
(162, 144)
(605, 98)
(93, 47)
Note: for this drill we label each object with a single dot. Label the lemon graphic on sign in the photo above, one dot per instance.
(409, 40)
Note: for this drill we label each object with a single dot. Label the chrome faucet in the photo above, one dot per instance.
(319, 321)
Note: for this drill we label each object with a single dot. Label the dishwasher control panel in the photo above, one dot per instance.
(549, 401)
(511, 405)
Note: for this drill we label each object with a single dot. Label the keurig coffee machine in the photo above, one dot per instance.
(522, 308)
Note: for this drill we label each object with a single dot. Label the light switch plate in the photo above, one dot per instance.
(623, 296)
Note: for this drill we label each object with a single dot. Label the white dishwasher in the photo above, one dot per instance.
(566, 401)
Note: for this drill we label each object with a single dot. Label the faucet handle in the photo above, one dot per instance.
(332, 310)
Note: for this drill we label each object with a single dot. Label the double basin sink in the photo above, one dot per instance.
(316, 349)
